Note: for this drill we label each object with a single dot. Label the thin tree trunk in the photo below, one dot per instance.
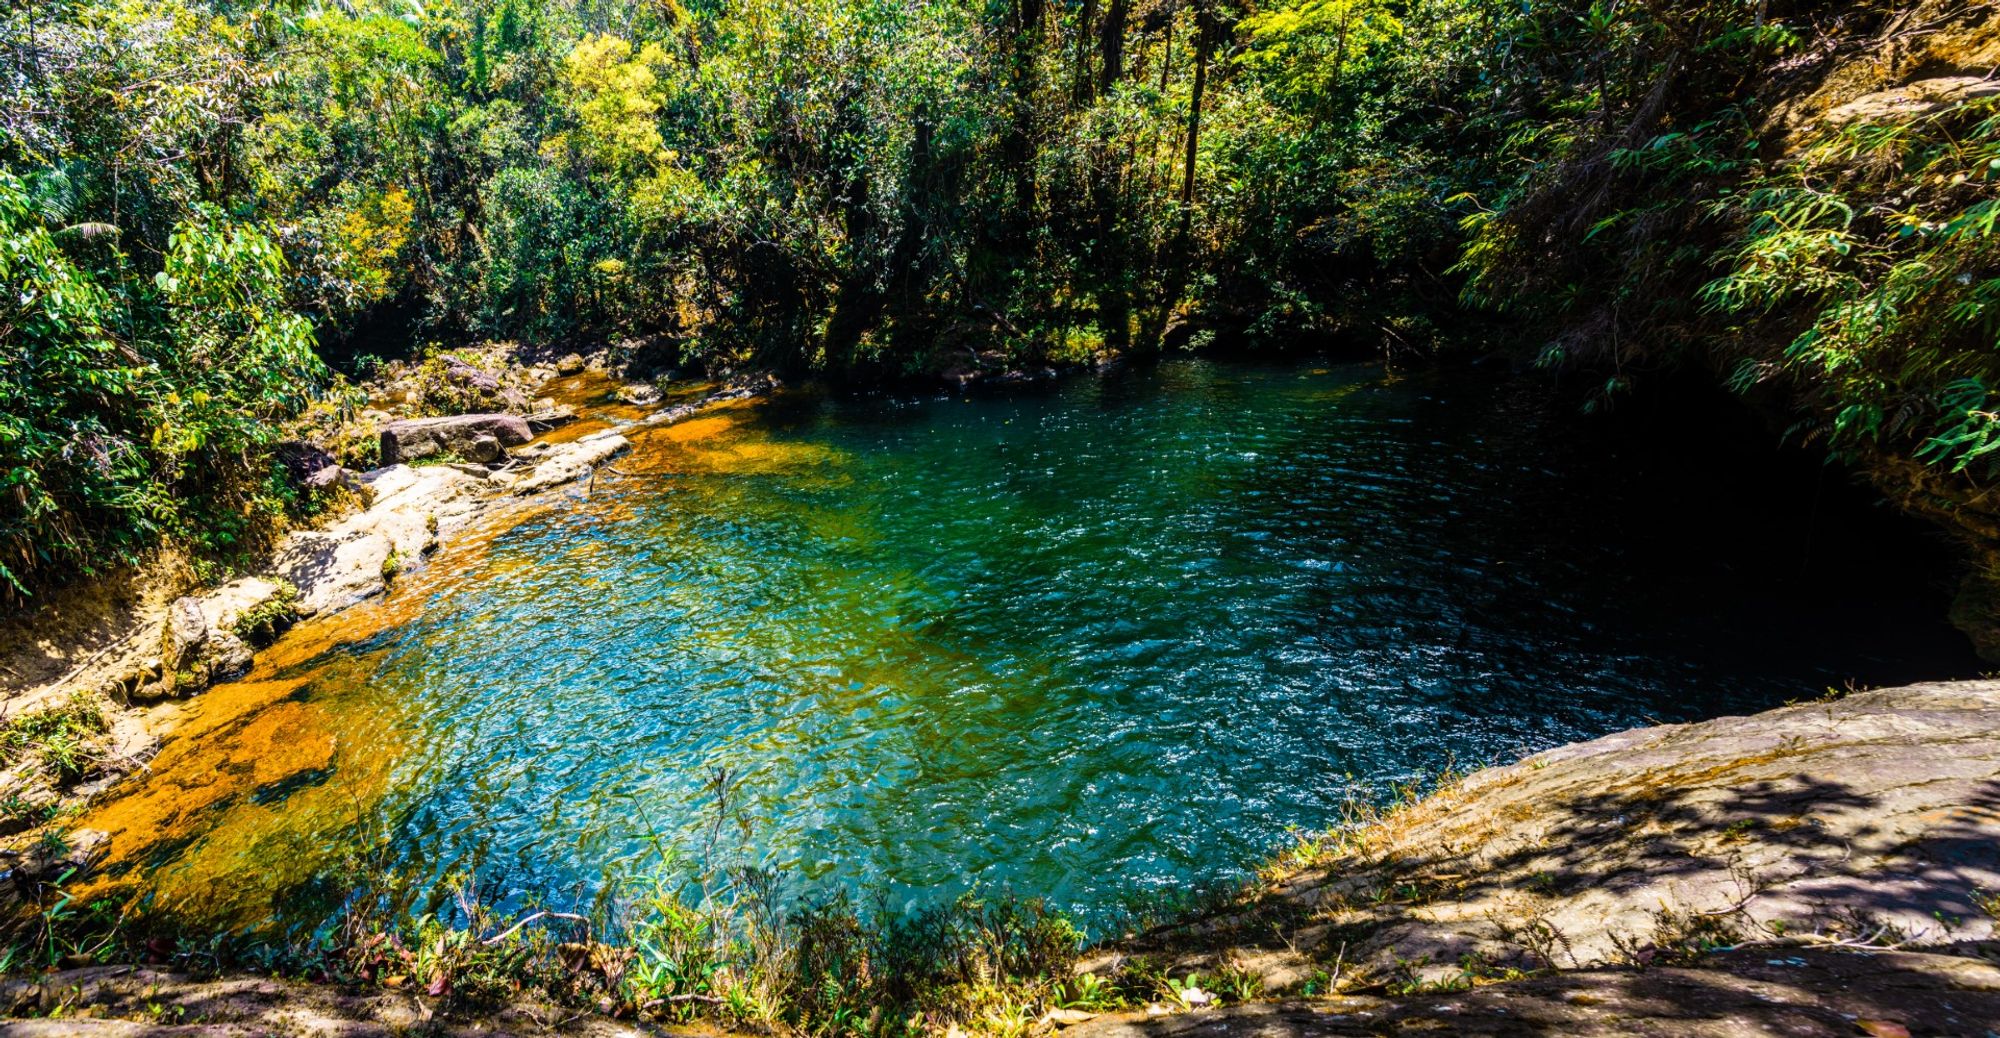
(1202, 43)
(1182, 258)
(1080, 90)
(1114, 293)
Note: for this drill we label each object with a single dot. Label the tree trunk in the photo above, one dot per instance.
(1112, 46)
(1203, 41)
(1182, 259)
(1114, 294)
(1080, 91)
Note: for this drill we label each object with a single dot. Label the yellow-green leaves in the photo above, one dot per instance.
(1306, 48)
(615, 98)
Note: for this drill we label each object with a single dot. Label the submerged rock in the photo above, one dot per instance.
(640, 393)
(548, 415)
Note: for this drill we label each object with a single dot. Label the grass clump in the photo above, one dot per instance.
(261, 624)
(67, 740)
(682, 948)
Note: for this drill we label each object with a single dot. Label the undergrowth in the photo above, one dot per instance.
(66, 740)
(689, 942)
(685, 944)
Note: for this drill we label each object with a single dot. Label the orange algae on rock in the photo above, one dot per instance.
(257, 776)
(247, 768)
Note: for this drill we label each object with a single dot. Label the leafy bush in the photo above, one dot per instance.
(75, 474)
(131, 410)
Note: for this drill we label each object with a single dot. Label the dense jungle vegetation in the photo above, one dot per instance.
(203, 199)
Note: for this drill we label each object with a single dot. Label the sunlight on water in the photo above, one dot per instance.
(1089, 643)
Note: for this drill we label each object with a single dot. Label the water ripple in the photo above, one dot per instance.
(1110, 639)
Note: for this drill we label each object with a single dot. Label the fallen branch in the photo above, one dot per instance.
(510, 931)
(714, 1000)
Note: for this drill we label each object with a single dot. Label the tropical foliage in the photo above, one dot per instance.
(197, 193)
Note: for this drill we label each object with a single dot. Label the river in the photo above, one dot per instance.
(1094, 642)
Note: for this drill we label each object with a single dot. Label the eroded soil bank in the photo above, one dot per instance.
(1826, 868)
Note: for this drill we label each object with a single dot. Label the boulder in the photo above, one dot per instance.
(462, 374)
(198, 643)
(334, 570)
(185, 633)
(303, 460)
(484, 449)
(343, 564)
(548, 415)
(416, 438)
(570, 364)
(252, 609)
(565, 463)
(640, 393)
(328, 478)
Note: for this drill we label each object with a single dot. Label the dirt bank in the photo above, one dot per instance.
(126, 1002)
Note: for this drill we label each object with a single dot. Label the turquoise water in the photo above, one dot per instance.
(1105, 640)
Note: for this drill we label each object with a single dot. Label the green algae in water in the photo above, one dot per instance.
(1094, 642)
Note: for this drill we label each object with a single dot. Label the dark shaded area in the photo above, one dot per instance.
(1796, 993)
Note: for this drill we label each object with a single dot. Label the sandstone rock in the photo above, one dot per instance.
(1800, 993)
(484, 449)
(200, 643)
(252, 609)
(565, 463)
(1876, 812)
(417, 438)
(333, 570)
(303, 461)
(326, 478)
(1912, 101)
(640, 393)
(185, 633)
(570, 364)
(463, 374)
(542, 419)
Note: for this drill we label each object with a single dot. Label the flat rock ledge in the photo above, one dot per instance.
(1807, 994)
(1857, 837)
(410, 507)
(208, 638)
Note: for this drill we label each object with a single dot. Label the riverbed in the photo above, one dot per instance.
(1099, 642)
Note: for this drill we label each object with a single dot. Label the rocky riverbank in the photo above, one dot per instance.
(1787, 872)
(1827, 868)
(447, 474)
